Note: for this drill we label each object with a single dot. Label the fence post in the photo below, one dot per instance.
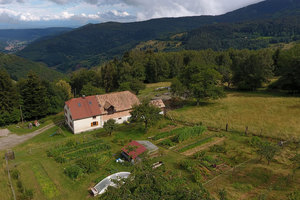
(227, 127)
(246, 131)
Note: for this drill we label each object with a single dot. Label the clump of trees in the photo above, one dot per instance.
(147, 183)
(30, 98)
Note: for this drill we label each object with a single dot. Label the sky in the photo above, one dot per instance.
(75, 13)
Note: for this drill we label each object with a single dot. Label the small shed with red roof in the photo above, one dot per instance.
(133, 150)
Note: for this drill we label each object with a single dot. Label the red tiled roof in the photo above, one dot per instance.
(83, 107)
(138, 151)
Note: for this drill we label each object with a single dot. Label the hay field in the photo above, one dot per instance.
(265, 114)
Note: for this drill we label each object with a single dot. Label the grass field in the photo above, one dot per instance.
(231, 164)
(271, 116)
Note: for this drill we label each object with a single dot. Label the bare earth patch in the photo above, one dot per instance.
(205, 146)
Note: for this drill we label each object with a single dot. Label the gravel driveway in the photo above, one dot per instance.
(13, 140)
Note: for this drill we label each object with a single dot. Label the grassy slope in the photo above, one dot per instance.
(18, 68)
(275, 116)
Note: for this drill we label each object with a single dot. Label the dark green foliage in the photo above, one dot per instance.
(9, 105)
(251, 69)
(110, 126)
(155, 184)
(89, 90)
(35, 103)
(73, 171)
(89, 78)
(146, 113)
(288, 63)
(136, 86)
(15, 174)
(202, 81)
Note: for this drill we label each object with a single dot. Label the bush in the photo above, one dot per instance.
(254, 141)
(73, 171)
(197, 176)
(15, 174)
(26, 195)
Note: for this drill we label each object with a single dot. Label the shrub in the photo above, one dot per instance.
(197, 176)
(26, 195)
(199, 155)
(88, 164)
(218, 149)
(73, 171)
(15, 174)
(187, 165)
(255, 141)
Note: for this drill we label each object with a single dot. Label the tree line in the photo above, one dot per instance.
(198, 74)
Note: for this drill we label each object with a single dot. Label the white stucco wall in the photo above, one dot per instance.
(67, 116)
(85, 124)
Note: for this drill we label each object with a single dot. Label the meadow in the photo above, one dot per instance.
(264, 114)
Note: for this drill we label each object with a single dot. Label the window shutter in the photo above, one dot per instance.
(92, 124)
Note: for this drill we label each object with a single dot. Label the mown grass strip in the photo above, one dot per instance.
(201, 142)
(48, 187)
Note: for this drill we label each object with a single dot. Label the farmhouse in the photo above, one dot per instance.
(89, 113)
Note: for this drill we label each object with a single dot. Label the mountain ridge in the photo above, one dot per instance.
(94, 43)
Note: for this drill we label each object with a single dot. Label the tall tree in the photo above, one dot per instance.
(34, 96)
(9, 111)
(146, 113)
(252, 69)
(66, 88)
(202, 81)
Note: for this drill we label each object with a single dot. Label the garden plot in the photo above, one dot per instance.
(178, 136)
(81, 157)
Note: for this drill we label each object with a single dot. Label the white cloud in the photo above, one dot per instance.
(85, 11)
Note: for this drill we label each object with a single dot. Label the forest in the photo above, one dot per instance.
(197, 75)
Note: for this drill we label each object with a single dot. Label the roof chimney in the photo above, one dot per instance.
(83, 96)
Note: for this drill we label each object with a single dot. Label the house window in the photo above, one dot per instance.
(120, 118)
(94, 124)
(94, 117)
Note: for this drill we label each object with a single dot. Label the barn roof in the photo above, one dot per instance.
(83, 107)
(136, 152)
(159, 103)
(121, 101)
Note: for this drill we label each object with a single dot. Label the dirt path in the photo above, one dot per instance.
(200, 148)
(13, 140)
